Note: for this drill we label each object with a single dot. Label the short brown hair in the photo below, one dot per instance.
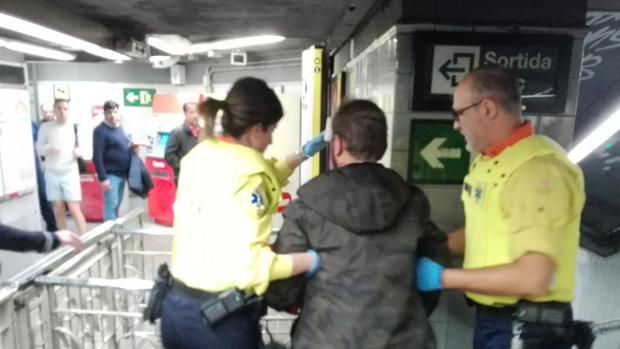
(187, 104)
(60, 100)
(110, 105)
(362, 126)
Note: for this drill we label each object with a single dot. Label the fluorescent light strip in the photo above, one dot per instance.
(597, 137)
(37, 50)
(181, 50)
(235, 43)
(106, 53)
(40, 32)
(154, 59)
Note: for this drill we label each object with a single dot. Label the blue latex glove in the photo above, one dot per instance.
(428, 276)
(314, 146)
(316, 263)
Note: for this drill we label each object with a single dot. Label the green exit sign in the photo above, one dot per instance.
(138, 97)
(437, 153)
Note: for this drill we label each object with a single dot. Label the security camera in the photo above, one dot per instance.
(162, 62)
(238, 58)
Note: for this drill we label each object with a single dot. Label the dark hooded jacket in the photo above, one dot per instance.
(368, 226)
(139, 181)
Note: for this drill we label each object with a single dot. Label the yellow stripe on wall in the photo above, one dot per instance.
(316, 116)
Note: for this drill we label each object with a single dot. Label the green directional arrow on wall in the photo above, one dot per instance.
(138, 97)
(433, 152)
(437, 153)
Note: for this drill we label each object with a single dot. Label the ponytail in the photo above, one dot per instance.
(208, 111)
(249, 102)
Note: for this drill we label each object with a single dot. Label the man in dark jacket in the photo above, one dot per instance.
(13, 239)
(183, 138)
(112, 157)
(368, 226)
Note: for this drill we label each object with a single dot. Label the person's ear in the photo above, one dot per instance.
(256, 130)
(338, 144)
(252, 134)
(490, 107)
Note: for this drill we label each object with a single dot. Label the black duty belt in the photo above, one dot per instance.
(181, 288)
(552, 313)
(216, 306)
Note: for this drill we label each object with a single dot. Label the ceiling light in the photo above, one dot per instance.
(171, 44)
(40, 32)
(597, 137)
(154, 59)
(105, 53)
(37, 50)
(178, 46)
(235, 43)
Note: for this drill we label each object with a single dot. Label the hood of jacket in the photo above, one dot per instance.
(362, 198)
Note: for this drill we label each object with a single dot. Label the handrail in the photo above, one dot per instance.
(65, 295)
(135, 213)
(56, 258)
(127, 284)
(155, 231)
(607, 326)
(158, 231)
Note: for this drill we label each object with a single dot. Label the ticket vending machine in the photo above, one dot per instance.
(167, 114)
(92, 196)
(161, 197)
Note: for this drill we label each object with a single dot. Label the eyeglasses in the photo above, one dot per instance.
(457, 113)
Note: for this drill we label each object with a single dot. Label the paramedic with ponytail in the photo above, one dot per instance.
(226, 197)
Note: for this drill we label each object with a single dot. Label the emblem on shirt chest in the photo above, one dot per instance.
(257, 201)
(479, 194)
(476, 192)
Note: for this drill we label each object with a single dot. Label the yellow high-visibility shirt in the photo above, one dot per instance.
(526, 199)
(225, 201)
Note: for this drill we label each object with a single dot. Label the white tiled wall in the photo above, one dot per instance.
(597, 295)
(453, 322)
(373, 77)
(384, 75)
(377, 75)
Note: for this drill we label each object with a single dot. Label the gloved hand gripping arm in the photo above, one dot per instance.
(428, 275)
(311, 147)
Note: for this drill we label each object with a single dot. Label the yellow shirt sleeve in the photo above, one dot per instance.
(539, 200)
(281, 170)
(262, 264)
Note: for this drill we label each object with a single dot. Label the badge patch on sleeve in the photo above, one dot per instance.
(257, 201)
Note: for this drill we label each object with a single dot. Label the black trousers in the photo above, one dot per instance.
(499, 330)
(44, 205)
(182, 326)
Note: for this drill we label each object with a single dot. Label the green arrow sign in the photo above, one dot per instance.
(437, 153)
(138, 97)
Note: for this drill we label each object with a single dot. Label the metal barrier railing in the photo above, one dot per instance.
(94, 298)
(88, 299)
(607, 327)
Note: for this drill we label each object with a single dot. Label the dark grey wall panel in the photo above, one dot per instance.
(547, 13)
(108, 72)
(10, 56)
